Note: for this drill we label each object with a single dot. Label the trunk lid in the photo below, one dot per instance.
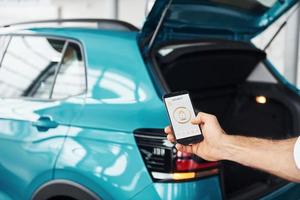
(225, 19)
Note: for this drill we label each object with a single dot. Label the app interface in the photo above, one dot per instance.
(181, 113)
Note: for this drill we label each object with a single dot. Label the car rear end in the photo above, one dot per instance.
(176, 175)
(209, 43)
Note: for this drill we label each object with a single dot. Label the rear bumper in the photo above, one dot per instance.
(289, 191)
(205, 189)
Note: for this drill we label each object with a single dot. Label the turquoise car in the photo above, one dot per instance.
(81, 114)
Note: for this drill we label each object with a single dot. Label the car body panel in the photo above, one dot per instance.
(111, 169)
(34, 152)
(101, 150)
(4, 196)
(207, 189)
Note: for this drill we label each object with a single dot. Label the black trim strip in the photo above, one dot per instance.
(124, 24)
(63, 188)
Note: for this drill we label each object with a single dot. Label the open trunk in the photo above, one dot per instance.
(231, 81)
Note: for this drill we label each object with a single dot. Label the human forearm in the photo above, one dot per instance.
(275, 157)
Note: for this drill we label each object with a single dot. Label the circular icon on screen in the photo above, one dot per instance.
(182, 115)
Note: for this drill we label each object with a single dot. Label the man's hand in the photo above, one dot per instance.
(275, 157)
(211, 148)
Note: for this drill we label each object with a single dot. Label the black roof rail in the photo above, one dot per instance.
(101, 23)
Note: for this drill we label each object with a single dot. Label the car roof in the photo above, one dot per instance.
(71, 28)
(104, 24)
(76, 33)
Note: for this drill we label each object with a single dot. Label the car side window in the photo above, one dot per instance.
(28, 66)
(71, 78)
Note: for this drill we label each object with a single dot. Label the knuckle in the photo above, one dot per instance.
(213, 117)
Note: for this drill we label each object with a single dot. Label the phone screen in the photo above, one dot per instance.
(181, 113)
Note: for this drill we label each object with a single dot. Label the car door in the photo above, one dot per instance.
(35, 112)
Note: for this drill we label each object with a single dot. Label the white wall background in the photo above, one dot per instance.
(283, 51)
(132, 11)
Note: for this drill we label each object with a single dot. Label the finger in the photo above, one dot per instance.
(201, 118)
(168, 130)
(187, 149)
(198, 119)
(179, 147)
(171, 138)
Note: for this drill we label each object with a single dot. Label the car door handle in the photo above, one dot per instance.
(45, 123)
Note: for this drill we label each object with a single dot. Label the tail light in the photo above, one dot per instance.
(165, 163)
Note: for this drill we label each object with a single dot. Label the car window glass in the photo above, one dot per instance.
(28, 66)
(71, 76)
(4, 40)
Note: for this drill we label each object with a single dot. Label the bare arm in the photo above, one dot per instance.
(275, 157)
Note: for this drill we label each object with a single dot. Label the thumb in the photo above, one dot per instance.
(200, 119)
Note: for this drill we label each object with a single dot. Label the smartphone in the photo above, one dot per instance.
(181, 112)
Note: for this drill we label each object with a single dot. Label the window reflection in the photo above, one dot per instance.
(73, 152)
(71, 76)
(120, 86)
(118, 167)
(114, 87)
(28, 67)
